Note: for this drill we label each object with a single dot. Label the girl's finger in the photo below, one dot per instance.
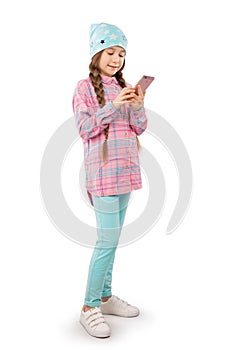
(127, 91)
(121, 103)
(140, 93)
(128, 96)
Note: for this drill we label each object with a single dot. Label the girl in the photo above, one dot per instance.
(109, 114)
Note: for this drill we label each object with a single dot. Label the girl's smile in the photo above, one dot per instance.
(114, 67)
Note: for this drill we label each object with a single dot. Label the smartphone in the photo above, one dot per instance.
(144, 82)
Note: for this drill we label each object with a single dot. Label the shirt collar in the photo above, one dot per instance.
(108, 80)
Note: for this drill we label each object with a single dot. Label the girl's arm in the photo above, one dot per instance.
(90, 121)
(137, 115)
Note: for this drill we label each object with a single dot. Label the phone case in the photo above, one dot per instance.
(144, 82)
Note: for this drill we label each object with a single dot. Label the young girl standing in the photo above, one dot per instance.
(109, 115)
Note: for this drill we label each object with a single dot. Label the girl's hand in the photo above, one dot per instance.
(127, 95)
(138, 100)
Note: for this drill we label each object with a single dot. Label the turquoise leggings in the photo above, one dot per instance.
(110, 213)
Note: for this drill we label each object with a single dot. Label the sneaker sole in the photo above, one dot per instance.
(115, 314)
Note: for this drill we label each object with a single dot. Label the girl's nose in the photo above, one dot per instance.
(115, 58)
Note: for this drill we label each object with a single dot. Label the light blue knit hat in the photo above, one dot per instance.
(104, 35)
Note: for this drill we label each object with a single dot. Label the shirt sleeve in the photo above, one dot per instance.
(138, 120)
(90, 120)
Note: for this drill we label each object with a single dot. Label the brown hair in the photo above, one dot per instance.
(96, 80)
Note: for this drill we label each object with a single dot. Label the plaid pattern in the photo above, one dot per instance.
(121, 173)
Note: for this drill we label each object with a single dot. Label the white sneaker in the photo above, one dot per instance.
(118, 307)
(94, 323)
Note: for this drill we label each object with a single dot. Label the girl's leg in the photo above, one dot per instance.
(123, 204)
(108, 231)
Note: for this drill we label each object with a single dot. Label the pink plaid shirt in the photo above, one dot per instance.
(121, 173)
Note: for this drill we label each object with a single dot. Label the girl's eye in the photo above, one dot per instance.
(111, 53)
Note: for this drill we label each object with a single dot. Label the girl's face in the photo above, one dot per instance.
(111, 60)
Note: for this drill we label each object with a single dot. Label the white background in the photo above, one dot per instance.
(182, 282)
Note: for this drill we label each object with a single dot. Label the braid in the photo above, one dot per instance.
(97, 84)
(96, 80)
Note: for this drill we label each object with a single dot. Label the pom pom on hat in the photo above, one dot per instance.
(104, 35)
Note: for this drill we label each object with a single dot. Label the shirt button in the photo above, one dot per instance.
(126, 134)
